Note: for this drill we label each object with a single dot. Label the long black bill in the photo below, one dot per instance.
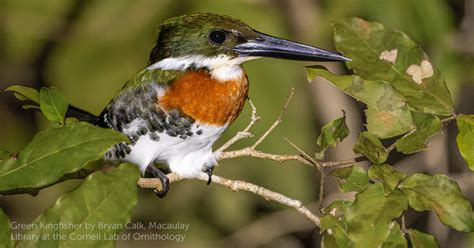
(268, 46)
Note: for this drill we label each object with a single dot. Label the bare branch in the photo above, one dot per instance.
(250, 152)
(303, 154)
(322, 179)
(242, 134)
(343, 162)
(237, 185)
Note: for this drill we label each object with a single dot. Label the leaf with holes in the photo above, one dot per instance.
(465, 138)
(102, 198)
(53, 104)
(427, 125)
(369, 218)
(332, 134)
(387, 175)
(55, 152)
(422, 240)
(351, 178)
(370, 146)
(391, 56)
(333, 225)
(387, 115)
(442, 195)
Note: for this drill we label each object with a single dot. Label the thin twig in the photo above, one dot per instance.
(244, 133)
(277, 121)
(303, 154)
(343, 162)
(249, 152)
(322, 179)
(237, 185)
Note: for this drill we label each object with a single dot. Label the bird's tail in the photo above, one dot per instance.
(81, 115)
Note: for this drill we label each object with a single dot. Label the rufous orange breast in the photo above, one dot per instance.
(205, 99)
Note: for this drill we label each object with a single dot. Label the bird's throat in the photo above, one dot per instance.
(222, 67)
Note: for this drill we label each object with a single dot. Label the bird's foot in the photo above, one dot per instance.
(165, 182)
(208, 169)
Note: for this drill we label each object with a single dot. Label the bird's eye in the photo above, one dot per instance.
(217, 37)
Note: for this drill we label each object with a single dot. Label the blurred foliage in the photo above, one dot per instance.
(110, 41)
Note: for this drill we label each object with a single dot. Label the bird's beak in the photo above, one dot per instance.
(268, 46)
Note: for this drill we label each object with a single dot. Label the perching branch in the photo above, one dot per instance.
(237, 185)
(250, 151)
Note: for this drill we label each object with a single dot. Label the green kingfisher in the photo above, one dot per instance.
(193, 88)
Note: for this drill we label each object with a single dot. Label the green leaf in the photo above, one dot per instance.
(391, 56)
(395, 239)
(422, 240)
(351, 178)
(332, 134)
(465, 138)
(23, 93)
(387, 115)
(4, 155)
(370, 216)
(388, 175)
(334, 227)
(29, 106)
(102, 198)
(5, 231)
(427, 125)
(53, 104)
(442, 195)
(388, 123)
(370, 146)
(55, 152)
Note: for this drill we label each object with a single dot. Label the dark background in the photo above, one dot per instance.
(89, 48)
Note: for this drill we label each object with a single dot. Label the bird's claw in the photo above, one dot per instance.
(165, 182)
(209, 170)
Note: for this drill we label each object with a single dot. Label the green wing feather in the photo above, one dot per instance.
(143, 78)
(146, 76)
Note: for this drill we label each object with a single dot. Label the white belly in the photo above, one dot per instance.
(186, 157)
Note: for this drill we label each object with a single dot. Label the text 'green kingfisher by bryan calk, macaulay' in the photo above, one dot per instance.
(193, 88)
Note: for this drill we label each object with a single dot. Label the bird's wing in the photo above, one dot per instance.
(157, 76)
(135, 91)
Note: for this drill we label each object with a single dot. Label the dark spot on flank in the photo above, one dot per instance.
(199, 132)
(154, 136)
(142, 131)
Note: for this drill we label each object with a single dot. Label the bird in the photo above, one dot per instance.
(192, 89)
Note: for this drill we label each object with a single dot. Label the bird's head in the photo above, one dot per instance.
(211, 41)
